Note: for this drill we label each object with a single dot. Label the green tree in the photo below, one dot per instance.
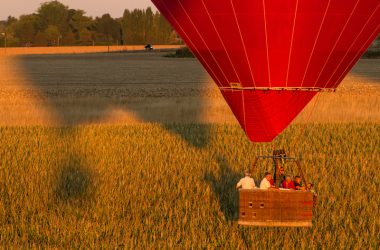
(78, 25)
(164, 30)
(54, 23)
(148, 26)
(126, 26)
(52, 35)
(12, 41)
(68, 39)
(87, 37)
(134, 26)
(54, 13)
(108, 29)
(40, 39)
(25, 29)
(2, 26)
(11, 20)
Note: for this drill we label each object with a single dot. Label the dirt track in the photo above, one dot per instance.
(146, 87)
(76, 49)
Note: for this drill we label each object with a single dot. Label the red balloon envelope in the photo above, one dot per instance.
(271, 57)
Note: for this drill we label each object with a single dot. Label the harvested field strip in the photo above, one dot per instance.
(123, 88)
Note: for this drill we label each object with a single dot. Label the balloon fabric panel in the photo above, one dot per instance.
(269, 57)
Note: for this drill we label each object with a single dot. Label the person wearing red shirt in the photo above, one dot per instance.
(288, 183)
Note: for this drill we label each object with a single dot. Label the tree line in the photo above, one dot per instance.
(55, 24)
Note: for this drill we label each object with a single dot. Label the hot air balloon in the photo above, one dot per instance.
(269, 58)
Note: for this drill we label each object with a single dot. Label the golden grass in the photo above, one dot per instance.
(20, 101)
(356, 100)
(172, 186)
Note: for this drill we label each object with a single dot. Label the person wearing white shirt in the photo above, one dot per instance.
(265, 183)
(247, 182)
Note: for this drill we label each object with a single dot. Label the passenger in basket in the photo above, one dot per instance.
(265, 183)
(247, 182)
(298, 184)
(310, 187)
(282, 174)
(281, 177)
(288, 183)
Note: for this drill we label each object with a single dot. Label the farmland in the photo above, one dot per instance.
(140, 151)
(133, 88)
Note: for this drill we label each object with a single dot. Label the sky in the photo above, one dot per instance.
(92, 7)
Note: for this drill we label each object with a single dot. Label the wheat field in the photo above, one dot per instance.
(113, 186)
(113, 157)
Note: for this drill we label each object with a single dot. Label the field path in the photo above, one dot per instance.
(77, 49)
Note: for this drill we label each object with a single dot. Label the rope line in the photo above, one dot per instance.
(244, 115)
(352, 45)
(211, 71)
(357, 55)
(336, 43)
(311, 89)
(291, 43)
(303, 129)
(221, 41)
(315, 42)
(204, 42)
(243, 43)
(266, 41)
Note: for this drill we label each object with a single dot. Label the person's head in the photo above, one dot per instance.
(247, 173)
(268, 176)
(297, 179)
(282, 170)
(288, 179)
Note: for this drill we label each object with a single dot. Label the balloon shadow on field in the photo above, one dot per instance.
(120, 88)
(197, 135)
(223, 185)
(74, 182)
